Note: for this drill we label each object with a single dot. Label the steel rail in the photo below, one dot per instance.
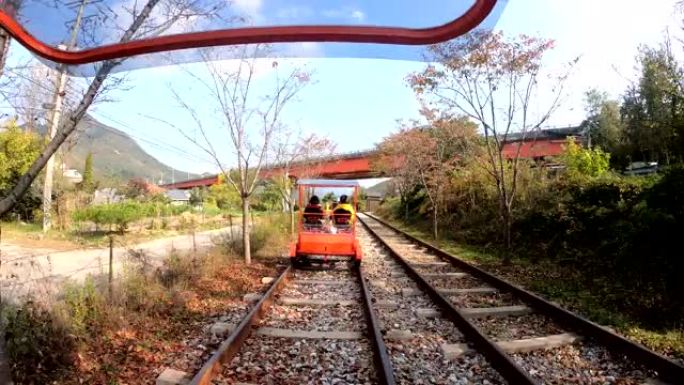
(475, 15)
(668, 369)
(501, 361)
(383, 363)
(232, 344)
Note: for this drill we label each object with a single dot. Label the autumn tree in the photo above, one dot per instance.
(149, 18)
(248, 119)
(427, 157)
(494, 81)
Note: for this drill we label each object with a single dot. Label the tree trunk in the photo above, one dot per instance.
(506, 216)
(434, 223)
(4, 49)
(246, 230)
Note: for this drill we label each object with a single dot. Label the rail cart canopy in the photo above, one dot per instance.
(328, 182)
(392, 29)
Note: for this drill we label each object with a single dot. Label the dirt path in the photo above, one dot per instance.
(39, 271)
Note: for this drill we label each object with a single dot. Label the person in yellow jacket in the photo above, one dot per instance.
(344, 213)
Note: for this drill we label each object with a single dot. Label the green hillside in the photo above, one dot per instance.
(116, 156)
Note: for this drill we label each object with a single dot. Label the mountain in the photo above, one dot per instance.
(116, 156)
(381, 189)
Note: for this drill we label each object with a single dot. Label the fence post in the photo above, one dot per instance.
(111, 265)
(230, 220)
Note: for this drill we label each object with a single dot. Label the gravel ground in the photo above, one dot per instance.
(517, 327)
(199, 349)
(339, 273)
(420, 362)
(438, 328)
(322, 291)
(319, 318)
(484, 300)
(466, 282)
(581, 363)
(285, 361)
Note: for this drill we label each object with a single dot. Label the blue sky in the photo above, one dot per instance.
(357, 102)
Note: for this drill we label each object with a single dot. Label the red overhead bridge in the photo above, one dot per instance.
(358, 165)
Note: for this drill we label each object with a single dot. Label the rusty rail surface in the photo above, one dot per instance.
(668, 369)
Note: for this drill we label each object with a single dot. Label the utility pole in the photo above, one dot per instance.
(56, 117)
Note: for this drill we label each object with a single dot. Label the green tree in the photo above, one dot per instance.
(329, 197)
(603, 122)
(18, 149)
(88, 184)
(579, 161)
(223, 196)
(197, 196)
(653, 108)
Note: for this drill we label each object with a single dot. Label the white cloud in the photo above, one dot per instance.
(345, 13)
(358, 15)
(294, 13)
(304, 49)
(251, 7)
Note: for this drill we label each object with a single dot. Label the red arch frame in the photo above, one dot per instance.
(277, 34)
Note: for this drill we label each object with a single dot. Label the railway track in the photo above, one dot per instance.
(310, 327)
(468, 326)
(413, 314)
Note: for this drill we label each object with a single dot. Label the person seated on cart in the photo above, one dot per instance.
(344, 213)
(313, 212)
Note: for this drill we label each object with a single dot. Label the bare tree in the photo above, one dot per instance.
(298, 155)
(494, 81)
(145, 20)
(250, 120)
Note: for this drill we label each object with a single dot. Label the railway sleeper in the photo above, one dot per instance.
(407, 292)
(308, 334)
(296, 301)
(454, 351)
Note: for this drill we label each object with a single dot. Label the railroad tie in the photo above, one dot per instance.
(407, 292)
(293, 301)
(445, 275)
(323, 282)
(429, 264)
(173, 377)
(308, 334)
(499, 311)
(453, 351)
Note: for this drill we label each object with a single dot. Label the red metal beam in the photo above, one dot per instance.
(253, 35)
(358, 167)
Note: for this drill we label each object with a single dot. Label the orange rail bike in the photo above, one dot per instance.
(326, 234)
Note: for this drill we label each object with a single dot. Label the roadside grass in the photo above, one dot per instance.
(84, 335)
(31, 235)
(592, 299)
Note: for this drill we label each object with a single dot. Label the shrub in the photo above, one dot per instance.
(85, 307)
(269, 236)
(39, 346)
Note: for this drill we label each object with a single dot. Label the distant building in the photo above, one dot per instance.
(106, 196)
(72, 175)
(641, 168)
(178, 197)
